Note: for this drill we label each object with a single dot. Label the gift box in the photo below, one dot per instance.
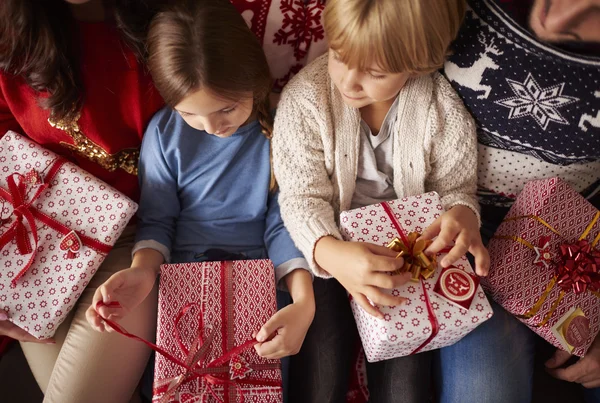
(206, 316)
(57, 224)
(545, 264)
(442, 306)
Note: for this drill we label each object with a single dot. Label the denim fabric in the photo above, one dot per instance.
(319, 373)
(492, 364)
(591, 395)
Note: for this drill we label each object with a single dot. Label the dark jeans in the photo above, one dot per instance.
(492, 364)
(320, 372)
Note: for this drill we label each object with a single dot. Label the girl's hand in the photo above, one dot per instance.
(128, 287)
(459, 226)
(284, 333)
(363, 270)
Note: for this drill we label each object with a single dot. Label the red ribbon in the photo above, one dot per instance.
(194, 364)
(578, 268)
(24, 212)
(435, 326)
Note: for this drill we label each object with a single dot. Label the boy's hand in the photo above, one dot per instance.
(128, 287)
(363, 270)
(459, 226)
(284, 333)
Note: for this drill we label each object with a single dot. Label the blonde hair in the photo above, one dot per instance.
(401, 36)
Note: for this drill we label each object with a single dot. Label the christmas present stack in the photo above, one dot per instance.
(442, 306)
(545, 266)
(206, 317)
(57, 224)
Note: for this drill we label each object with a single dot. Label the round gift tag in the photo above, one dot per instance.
(457, 285)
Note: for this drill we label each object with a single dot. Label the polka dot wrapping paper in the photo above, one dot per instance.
(57, 224)
(454, 296)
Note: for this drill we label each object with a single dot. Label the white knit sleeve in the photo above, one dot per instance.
(454, 150)
(306, 191)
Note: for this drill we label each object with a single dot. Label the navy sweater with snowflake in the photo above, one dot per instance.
(537, 108)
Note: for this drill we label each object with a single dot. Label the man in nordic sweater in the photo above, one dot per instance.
(529, 73)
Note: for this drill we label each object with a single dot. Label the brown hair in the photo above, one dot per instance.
(207, 44)
(36, 42)
(411, 36)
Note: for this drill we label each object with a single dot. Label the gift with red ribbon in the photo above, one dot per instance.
(443, 305)
(57, 224)
(206, 317)
(545, 264)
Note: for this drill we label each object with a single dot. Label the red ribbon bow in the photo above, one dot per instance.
(194, 362)
(435, 326)
(578, 268)
(24, 213)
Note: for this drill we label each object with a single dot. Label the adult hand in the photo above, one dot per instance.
(586, 371)
(458, 226)
(363, 269)
(13, 331)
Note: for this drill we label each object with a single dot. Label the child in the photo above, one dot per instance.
(373, 121)
(208, 192)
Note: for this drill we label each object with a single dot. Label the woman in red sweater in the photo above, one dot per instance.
(71, 79)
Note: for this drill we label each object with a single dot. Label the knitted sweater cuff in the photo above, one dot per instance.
(315, 229)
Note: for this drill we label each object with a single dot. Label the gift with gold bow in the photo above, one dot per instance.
(545, 264)
(444, 304)
(57, 225)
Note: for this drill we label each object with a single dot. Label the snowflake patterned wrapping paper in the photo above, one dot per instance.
(57, 225)
(409, 328)
(235, 299)
(545, 261)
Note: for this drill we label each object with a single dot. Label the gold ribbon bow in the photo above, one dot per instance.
(415, 260)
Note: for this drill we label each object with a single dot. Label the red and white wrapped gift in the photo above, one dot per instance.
(443, 305)
(545, 264)
(206, 316)
(57, 224)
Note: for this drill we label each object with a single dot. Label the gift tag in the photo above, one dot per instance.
(457, 286)
(72, 244)
(238, 367)
(573, 329)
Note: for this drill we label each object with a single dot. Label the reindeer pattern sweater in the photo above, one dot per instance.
(537, 107)
(316, 143)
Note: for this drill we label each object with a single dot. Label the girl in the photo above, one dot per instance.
(73, 78)
(369, 122)
(208, 192)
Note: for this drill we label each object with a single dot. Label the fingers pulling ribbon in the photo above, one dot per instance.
(194, 363)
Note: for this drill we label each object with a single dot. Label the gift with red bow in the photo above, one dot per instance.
(545, 264)
(207, 314)
(57, 224)
(443, 304)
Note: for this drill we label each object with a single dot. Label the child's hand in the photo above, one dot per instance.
(459, 226)
(363, 270)
(284, 333)
(128, 287)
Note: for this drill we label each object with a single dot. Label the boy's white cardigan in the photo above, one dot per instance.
(316, 143)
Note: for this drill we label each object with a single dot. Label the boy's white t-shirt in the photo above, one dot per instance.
(375, 171)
